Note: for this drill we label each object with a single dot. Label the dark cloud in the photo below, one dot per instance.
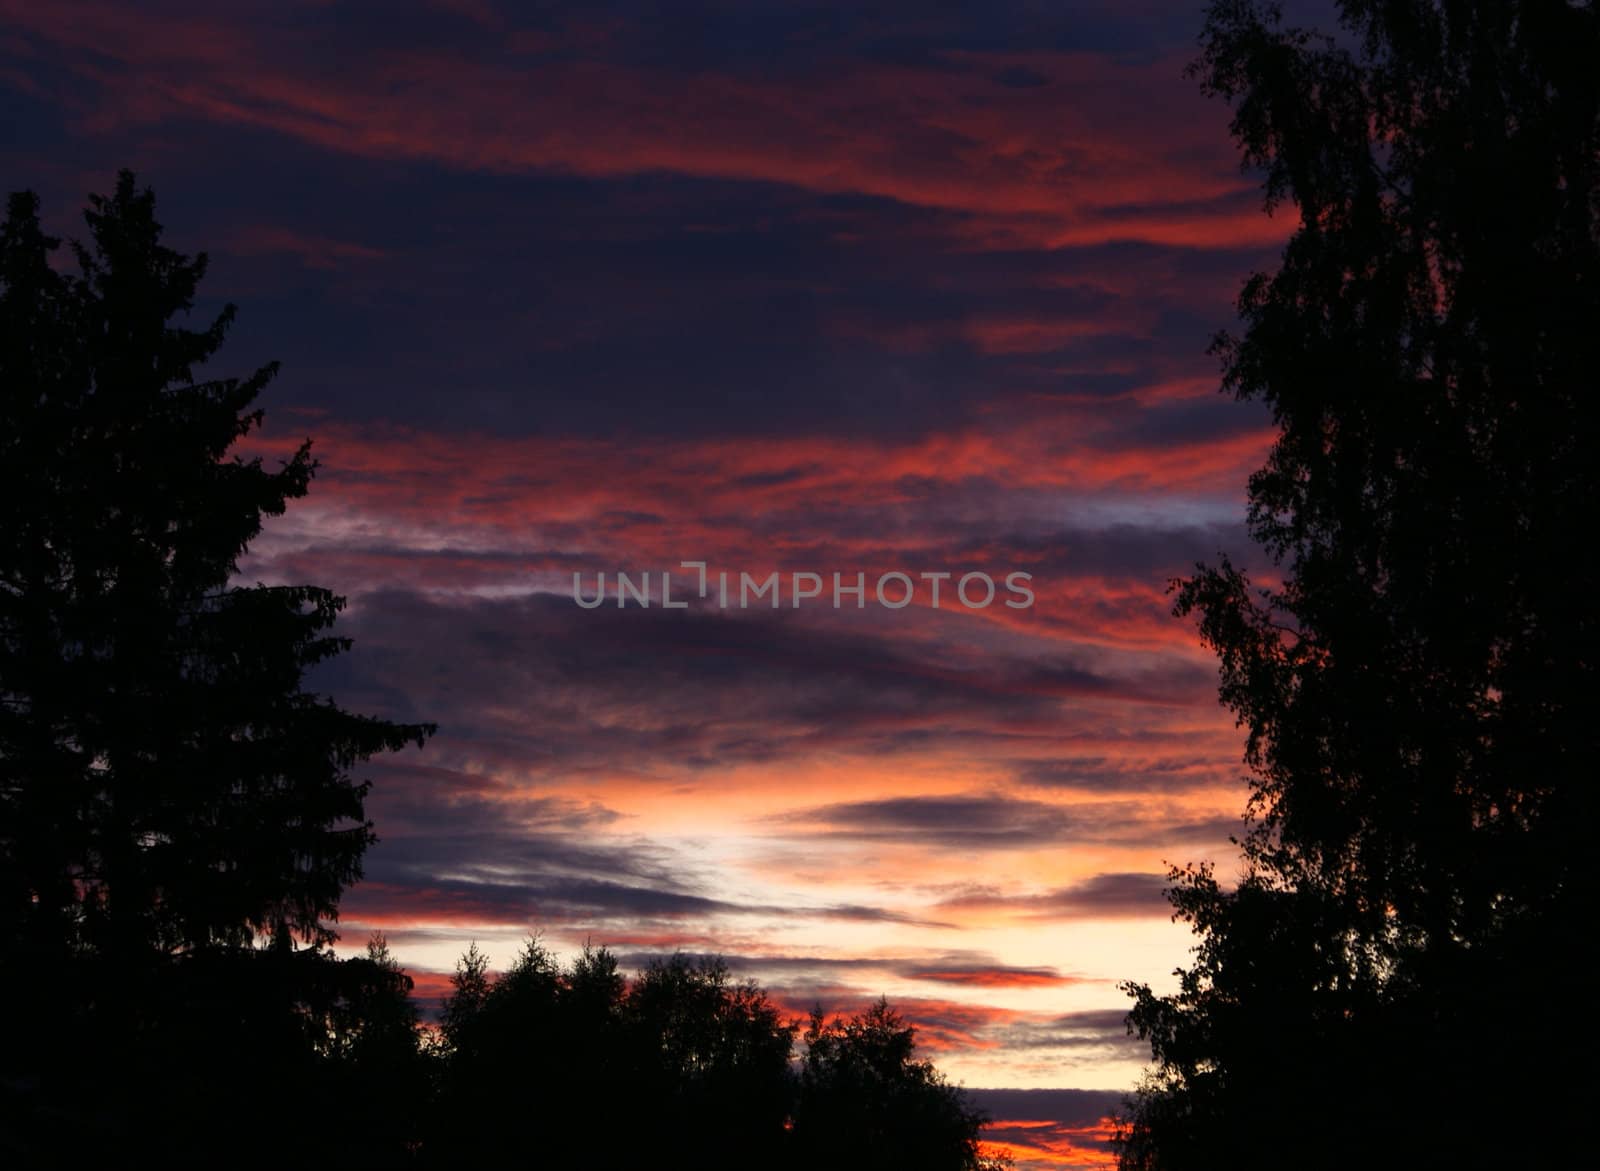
(997, 821)
(535, 685)
(538, 900)
(824, 968)
(1101, 1032)
(721, 287)
(967, 968)
(984, 975)
(538, 862)
(971, 822)
(1105, 774)
(1053, 1128)
(1111, 896)
(1068, 1107)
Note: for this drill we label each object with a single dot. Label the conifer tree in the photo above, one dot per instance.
(172, 797)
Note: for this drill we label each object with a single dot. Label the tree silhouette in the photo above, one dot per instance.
(865, 1101)
(683, 1066)
(696, 1063)
(378, 1071)
(504, 1070)
(469, 991)
(171, 797)
(1416, 682)
(708, 1060)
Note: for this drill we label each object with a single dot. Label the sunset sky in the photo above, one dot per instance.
(784, 287)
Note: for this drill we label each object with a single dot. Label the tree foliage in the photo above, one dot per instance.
(1415, 679)
(682, 1066)
(171, 796)
(866, 1101)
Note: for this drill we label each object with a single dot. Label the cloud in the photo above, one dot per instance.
(534, 687)
(1064, 1130)
(1095, 149)
(312, 251)
(996, 821)
(1130, 772)
(545, 862)
(1095, 1030)
(964, 968)
(980, 821)
(1063, 1107)
(985, 975)
(1105, 896)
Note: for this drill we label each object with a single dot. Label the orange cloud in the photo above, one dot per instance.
(1038, 1145)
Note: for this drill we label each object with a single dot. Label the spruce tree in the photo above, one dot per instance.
(172, 797)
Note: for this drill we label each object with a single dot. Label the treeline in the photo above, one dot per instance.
(682, 1063)
(277, 1056)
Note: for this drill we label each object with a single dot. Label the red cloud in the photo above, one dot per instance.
(1103, 151)
(312, 251)
(1045, 1145)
